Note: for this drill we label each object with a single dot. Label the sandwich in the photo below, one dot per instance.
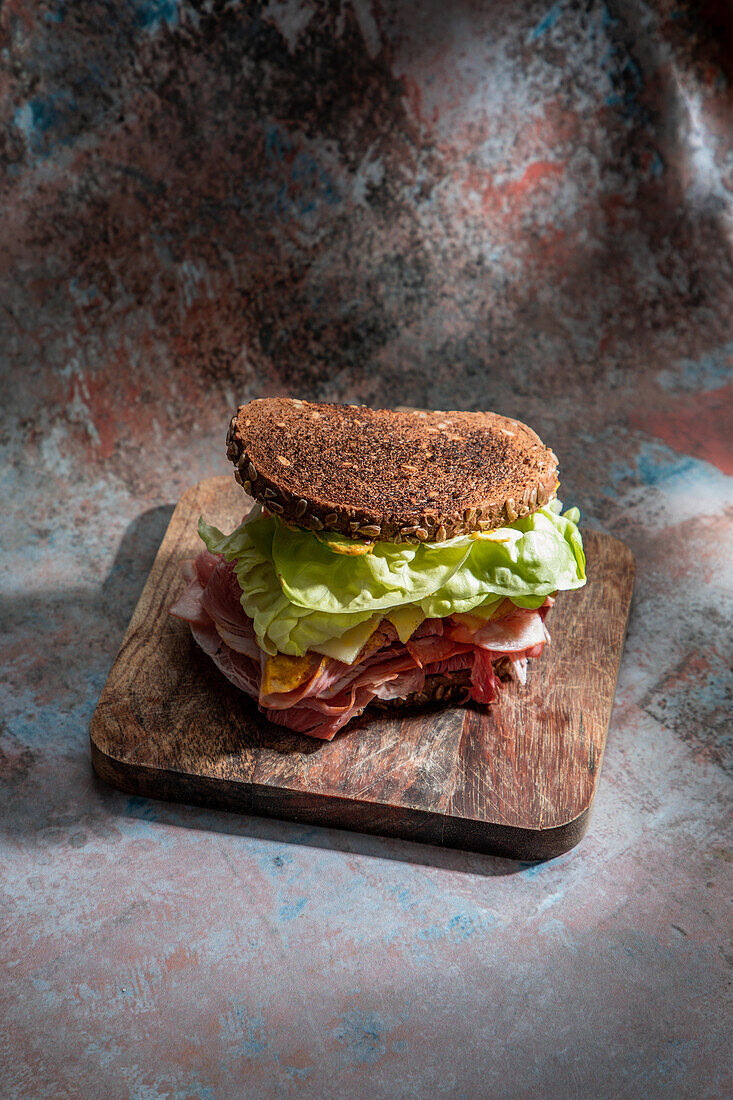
(388, 558)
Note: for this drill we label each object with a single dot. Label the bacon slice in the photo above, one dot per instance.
(326, 693)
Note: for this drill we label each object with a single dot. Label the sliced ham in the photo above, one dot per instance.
(327, 693)
(240, 641)
(464, 659)
(188, 570)
(383, 635)
(426, 651)
(521, 630)
(333, 677)
(206, 563)
(483, 678)
(310, 720)
(413, 679)
(243, 672)
(546, 607)
(221, 600)
(189, 605)
(429, 626)
(222, 597)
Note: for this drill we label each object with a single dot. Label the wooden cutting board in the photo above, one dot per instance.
(515, 779)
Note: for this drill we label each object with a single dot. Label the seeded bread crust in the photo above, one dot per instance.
(444, 688)
(390, 476)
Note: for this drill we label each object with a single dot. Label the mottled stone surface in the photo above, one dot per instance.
(521, 207)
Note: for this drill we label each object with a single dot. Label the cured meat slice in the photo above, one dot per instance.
(434, 648)
(190, 606)
(483, 678)
(521, 630)
(318, 695)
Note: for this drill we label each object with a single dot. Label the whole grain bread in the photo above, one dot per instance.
(442, 688)
(385, 475)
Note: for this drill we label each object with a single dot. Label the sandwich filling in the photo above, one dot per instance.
(314, 627)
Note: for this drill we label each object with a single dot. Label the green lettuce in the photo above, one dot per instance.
(302, 594)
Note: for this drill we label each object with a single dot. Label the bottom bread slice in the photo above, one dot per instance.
(443, 688)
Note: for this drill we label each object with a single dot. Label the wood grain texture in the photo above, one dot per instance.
(515, 779)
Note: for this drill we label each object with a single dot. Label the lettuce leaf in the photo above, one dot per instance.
(312, 576)
(280, 625)
(303, 595)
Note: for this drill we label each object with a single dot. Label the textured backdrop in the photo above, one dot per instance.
(526, 207)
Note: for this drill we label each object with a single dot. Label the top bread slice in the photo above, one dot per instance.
(390, 476)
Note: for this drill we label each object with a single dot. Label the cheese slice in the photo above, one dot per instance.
(348, 647)
(283, 673)
(406, 620)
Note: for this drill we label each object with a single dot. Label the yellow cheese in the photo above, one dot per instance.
(348, 647)
(405, 620)
(284, 673)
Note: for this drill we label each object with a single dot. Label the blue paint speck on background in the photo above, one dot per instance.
(43, 120)
(362, 1036)
(150, 15)
(545, 23)
(291, 910)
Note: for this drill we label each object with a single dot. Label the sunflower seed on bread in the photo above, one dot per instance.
(345, 468)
